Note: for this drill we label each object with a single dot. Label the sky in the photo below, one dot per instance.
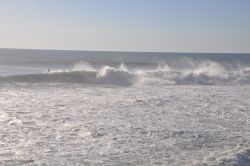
(127, 25)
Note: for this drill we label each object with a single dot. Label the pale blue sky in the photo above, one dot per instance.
(127, 25)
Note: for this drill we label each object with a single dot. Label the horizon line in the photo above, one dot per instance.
(124, 51)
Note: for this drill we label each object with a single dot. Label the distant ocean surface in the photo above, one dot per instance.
(124, 108)
(124, 68)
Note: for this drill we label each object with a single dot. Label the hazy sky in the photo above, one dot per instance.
(127, 25)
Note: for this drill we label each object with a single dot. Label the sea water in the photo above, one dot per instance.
(124, 108)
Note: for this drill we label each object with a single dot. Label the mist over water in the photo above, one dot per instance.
(113, 108)
(195, 73)
(124, 69)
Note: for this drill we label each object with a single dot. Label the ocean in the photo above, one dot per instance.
(124, 108)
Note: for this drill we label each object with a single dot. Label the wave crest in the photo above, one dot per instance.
(110, 75)
(202, 73)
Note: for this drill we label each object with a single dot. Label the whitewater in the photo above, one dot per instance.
(124, 108)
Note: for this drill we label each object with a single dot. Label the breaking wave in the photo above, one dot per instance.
(192, 73)
(106, 75)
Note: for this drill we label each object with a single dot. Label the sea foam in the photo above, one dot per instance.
(194, 73)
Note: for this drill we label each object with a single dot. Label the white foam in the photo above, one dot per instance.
(172, 125)
(202, 73)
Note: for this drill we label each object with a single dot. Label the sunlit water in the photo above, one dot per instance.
(124, 113)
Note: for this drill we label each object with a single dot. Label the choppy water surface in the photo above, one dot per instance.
(82, 125)
(107, 108)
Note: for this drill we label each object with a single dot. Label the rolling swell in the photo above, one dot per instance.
(206, 73)
(107, 75)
